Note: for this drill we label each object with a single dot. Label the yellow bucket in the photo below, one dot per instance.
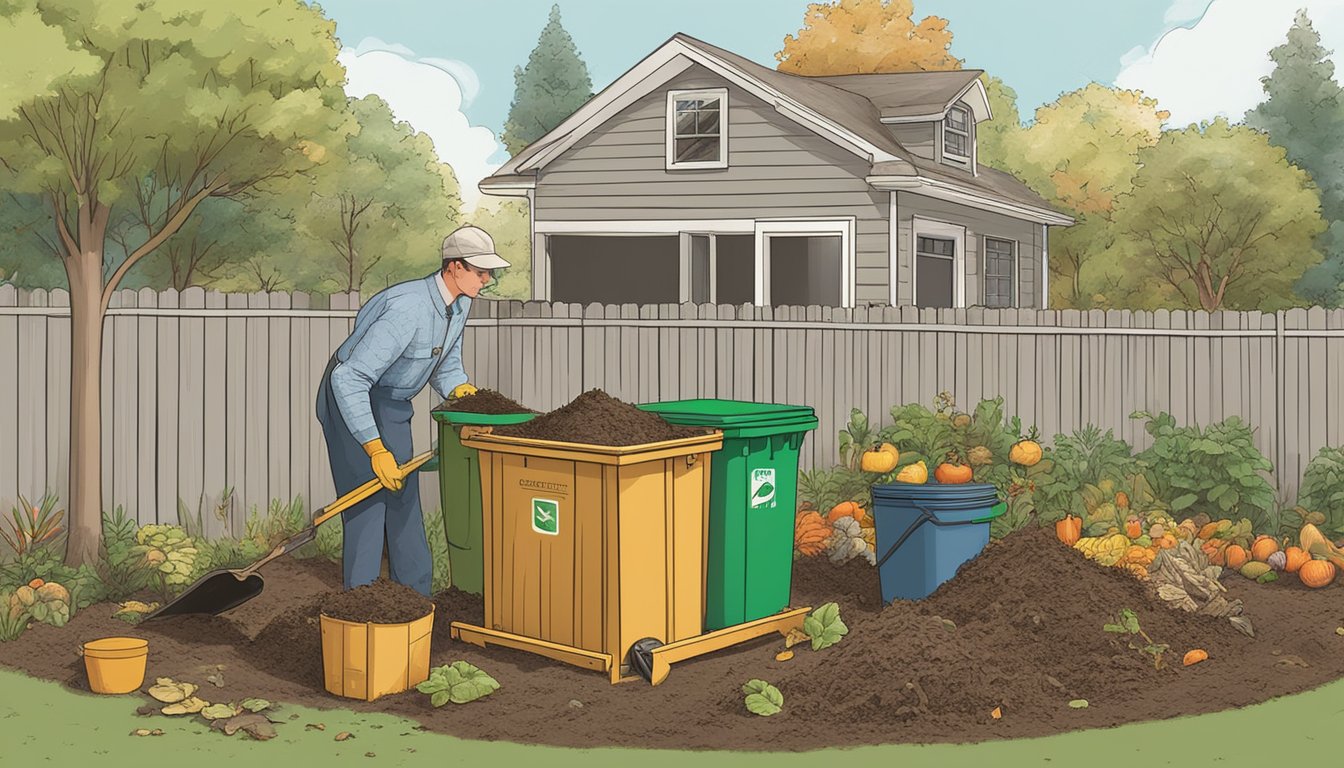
(115, 664)
(367, 660)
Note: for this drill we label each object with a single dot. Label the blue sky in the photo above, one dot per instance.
(451, 63)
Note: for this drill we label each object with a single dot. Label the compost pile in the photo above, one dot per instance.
(486, 401)
(382, 602)
(597, 418)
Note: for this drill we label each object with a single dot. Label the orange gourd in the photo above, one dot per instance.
(1215, 552)
(1133, 528)
(1195, 656)
(1167, 541)
(952, 474)
(1263, 547)
(1069, 530)
(810, 532)
(1317, 573)
(845, 509)
(1236, 556)
(1295, 558)
(1207, 531)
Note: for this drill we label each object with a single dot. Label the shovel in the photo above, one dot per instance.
(222, 590)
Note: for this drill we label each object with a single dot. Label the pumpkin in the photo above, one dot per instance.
(1317, 573)
(1195, 656)
(880, 460)
(1207, 531)
(1168, 541)
(36, 583)
(845, 509)
(810, 532)
(1216, 552)
(1069, 530)
(1263, 547)
(1122, 500)
(1026, 453)
(1133, 528)
(952, 473)
(1294, 559)
(914, 473)
(1236, 556)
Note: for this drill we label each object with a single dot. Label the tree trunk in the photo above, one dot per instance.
(85, 511)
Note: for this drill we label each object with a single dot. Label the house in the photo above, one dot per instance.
(701, 176)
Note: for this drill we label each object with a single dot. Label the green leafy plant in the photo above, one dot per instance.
(763, 698)
(855, 438)
(824, 488)
(1086, 457)
(438, 550)
(121, 560)
(33, 527)
(12, 622)
(171, 554)
(824, 626)
(459, 683)
(1214, 470)
(1127, 623)
(1323, 488)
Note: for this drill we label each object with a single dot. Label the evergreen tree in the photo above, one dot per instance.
(1304, 114)
(549, 89)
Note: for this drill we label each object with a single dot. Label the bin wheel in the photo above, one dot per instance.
(641, 657)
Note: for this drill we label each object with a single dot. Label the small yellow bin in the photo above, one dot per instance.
(367, 660)
(115, 665)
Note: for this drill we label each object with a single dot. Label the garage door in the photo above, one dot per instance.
(615, 269)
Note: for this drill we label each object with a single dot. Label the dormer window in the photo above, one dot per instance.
(697, 129)
(957, 133)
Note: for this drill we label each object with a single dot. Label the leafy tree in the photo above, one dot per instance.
(1219, 218)
(377, 211)
(863, 36)
(102, 94)
(27, 243)
(507, 223)
(1303, 112)
(998, 139)
(549, 89)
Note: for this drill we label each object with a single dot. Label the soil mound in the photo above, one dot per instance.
(597, 418)
(382, 602)
(485, 401)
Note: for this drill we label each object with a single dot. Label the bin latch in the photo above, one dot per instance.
(691, 458)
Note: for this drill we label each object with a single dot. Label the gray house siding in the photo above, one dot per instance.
(979, 225)
(776, 169)
(917, 137)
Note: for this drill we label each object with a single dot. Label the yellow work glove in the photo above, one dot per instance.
(384, 464)
(462, 390)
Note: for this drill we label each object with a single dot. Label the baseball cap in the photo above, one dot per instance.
(474, 246)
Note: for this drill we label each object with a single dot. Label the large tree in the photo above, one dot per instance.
(861, 36)
(102, 94)
(1218, 220)
(506, 221)
(1303, 112)
(549, 89)
(998, 139)
(379, 208)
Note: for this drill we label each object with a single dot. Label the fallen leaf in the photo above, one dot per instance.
(369, 754)
(1339, 631)
(949, 625)
(1078, 703)
(255, 705)
(795, 636)
(218, 711)
(189, 706)
(148, 709)
(783, 655)
(140, 732)
(256, 726)
(996, 713)
(316, 727)
(156, 732)
(216, 680)
(168, 693)
(343, 735)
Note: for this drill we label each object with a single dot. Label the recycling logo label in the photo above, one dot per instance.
(546, 516)
(763, 489)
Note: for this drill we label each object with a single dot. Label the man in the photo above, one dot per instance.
(406, 336)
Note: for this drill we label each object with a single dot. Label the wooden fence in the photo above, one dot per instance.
(205, 391)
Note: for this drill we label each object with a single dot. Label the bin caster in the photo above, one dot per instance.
(641, 657)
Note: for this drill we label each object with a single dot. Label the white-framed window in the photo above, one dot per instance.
(697, 129)
(957, 133)
(802, 263)
(938, 253)
(1000, 272)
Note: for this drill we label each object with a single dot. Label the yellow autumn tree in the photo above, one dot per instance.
(850, 37)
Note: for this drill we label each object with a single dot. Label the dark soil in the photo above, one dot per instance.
(485, 401)
(382, 602)
(597, 418)
(1020, 629)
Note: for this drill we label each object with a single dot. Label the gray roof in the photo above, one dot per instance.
(907, 94)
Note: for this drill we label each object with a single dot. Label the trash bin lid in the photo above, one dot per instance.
(463, 417)
(708, 412)
(939, 496)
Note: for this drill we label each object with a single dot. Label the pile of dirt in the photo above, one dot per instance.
(597, 418)
(485, 401)
(382, 602)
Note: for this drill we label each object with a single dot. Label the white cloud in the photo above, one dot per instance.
(1214, 67)
(429, 94)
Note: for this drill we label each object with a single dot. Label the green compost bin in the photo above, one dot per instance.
(752, 501)
(460, 493)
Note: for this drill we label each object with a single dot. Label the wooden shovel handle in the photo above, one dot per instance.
(365, 491)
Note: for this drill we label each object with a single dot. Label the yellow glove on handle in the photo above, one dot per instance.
(384, 464)
(462, 390)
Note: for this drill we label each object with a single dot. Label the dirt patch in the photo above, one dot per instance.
(597, 418)
(485, 401)
(1019, 629)
(382, 602)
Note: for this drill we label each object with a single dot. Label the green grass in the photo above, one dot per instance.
(41, 722)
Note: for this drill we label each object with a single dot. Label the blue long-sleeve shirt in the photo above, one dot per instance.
(399, 337)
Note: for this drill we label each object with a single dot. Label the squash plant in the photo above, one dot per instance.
(1214, 470)
(1322, 489)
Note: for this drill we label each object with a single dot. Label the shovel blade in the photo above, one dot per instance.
(214, 593)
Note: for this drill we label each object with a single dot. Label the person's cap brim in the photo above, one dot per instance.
(487, 261)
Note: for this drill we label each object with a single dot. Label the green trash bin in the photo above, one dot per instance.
(460, 495)
(752, 501)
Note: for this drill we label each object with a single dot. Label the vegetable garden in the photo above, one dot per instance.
(1119, 586)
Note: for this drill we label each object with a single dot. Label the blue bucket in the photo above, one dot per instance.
(925, 532)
